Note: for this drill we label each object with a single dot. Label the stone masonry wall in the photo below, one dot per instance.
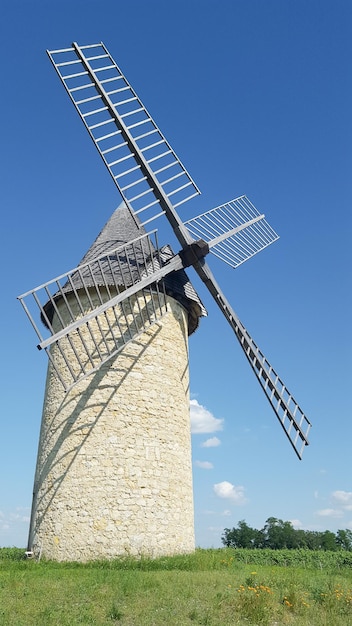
(114, 473)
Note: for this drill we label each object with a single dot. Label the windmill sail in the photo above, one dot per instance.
(235, 231)
(143, 166)
(85, 339)
(291, 417)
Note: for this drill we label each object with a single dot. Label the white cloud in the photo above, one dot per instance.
(226, 513)
(227, 490)
(296, 523)
(202, 421)
(213, 442)
(343, 497)
(204, 464)
(330, 513)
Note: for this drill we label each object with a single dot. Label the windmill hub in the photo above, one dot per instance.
(195, 251)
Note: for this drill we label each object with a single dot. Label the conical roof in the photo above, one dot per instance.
(122, 228)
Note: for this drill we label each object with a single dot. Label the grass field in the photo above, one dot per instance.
(212, 587)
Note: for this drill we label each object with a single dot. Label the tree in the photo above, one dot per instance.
(328, 540)
(245, 535)
(344, 539)
(228, 538)
(279, 534)
(301, 538)
(241, 537)
(258, 539)
(312, 540)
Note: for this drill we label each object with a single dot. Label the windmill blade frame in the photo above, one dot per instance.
(291, 417)
(126, 296)
(142, 164)
(235, 231)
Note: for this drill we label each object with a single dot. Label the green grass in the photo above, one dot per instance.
(212, 587)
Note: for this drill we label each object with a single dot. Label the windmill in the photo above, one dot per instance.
(113, 471)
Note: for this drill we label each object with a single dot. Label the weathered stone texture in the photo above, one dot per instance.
(114, 470)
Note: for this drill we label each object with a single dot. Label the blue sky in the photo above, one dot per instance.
(255, 98)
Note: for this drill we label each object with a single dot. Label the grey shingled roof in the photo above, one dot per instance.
(121, 228)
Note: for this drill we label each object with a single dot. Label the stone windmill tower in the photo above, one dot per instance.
(114, 469)
(114, 465)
